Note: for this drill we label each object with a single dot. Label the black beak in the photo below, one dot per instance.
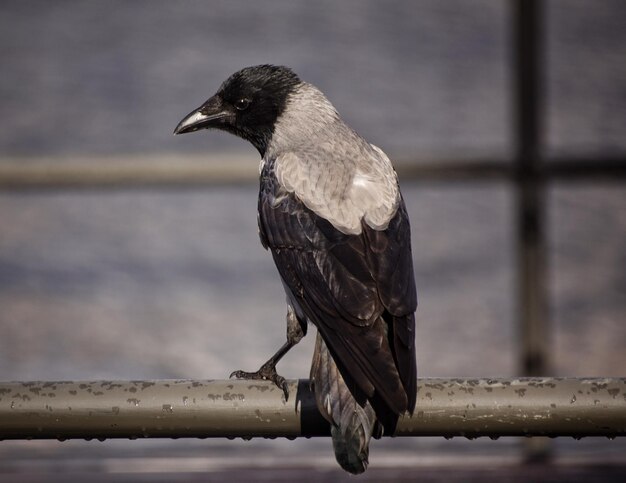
(211, 114)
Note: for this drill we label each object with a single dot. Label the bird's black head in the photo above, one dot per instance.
(247, 104)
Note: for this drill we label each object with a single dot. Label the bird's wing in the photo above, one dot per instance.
(358, 289)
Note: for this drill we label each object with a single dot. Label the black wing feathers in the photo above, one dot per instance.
(393, 263)
(357, 289)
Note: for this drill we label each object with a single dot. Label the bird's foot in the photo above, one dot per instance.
(267, 372)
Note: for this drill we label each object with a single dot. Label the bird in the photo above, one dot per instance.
(331, 213)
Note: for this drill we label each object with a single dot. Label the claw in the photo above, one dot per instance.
(265, 373)
(285, 390)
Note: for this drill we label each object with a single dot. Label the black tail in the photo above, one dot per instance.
(352, 424)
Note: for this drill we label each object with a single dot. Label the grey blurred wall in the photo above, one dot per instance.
(173, 283)
(86, 79)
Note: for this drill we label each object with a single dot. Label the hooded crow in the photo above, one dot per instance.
(331, 213)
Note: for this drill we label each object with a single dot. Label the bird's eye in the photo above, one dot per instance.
(242, 104)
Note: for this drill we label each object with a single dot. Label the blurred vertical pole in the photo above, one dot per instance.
(531, 250)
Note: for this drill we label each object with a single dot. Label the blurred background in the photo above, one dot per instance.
(134, 280)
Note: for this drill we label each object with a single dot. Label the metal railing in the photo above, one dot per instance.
(242, 408)
(181, 172)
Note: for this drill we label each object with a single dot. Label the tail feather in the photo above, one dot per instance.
(351, 443)
(352, 425)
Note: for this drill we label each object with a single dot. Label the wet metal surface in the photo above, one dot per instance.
(240, 408)
(522, 406)
(136, 409)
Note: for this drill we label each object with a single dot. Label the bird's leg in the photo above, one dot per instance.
(296, 330)
(267, 371)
